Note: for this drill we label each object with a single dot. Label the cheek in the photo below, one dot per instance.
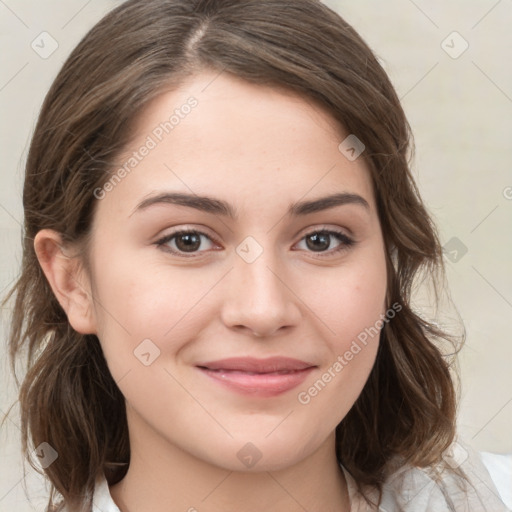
(351, 307)
(350, 300)
(138, 300)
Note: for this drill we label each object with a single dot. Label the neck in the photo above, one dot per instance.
(163, 477)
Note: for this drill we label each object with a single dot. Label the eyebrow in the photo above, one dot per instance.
(220, 207)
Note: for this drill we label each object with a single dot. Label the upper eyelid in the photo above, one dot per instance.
(187, 229)
(303, 232)
(323, 227)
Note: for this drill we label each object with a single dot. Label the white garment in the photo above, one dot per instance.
(409, 489)
(500, 469)
(412, 489)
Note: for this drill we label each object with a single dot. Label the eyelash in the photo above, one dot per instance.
(346, 242)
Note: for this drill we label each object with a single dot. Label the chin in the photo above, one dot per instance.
(259, 453)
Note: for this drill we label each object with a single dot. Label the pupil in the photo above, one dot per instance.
(323, 238)
(191, 242)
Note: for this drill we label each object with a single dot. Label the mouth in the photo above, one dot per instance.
(258, 377)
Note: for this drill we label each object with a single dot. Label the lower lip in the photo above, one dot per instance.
(258, 384)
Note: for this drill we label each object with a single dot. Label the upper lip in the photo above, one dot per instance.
(252, 364)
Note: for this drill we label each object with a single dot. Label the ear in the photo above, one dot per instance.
(67, 279)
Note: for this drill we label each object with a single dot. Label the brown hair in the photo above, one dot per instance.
(68, 398)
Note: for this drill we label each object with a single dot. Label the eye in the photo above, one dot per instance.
(185, 241)
(191, 241)
(320, 241)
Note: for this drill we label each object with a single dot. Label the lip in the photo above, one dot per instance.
(258, 377)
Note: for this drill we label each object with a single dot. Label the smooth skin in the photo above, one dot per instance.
(260, 149)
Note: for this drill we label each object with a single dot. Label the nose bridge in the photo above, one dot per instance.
(259, 298)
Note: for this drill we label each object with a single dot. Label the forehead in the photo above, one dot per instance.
(222, 136)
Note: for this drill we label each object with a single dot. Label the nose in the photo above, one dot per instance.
(260, 297)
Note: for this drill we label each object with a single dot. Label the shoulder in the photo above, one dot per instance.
(439, 488)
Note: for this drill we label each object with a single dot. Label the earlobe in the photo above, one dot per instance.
(67, 279)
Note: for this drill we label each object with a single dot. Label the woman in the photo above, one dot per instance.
(221, 238)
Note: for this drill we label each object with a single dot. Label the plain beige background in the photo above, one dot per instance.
(456, 89)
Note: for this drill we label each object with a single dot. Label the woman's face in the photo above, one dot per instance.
(259, 272)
